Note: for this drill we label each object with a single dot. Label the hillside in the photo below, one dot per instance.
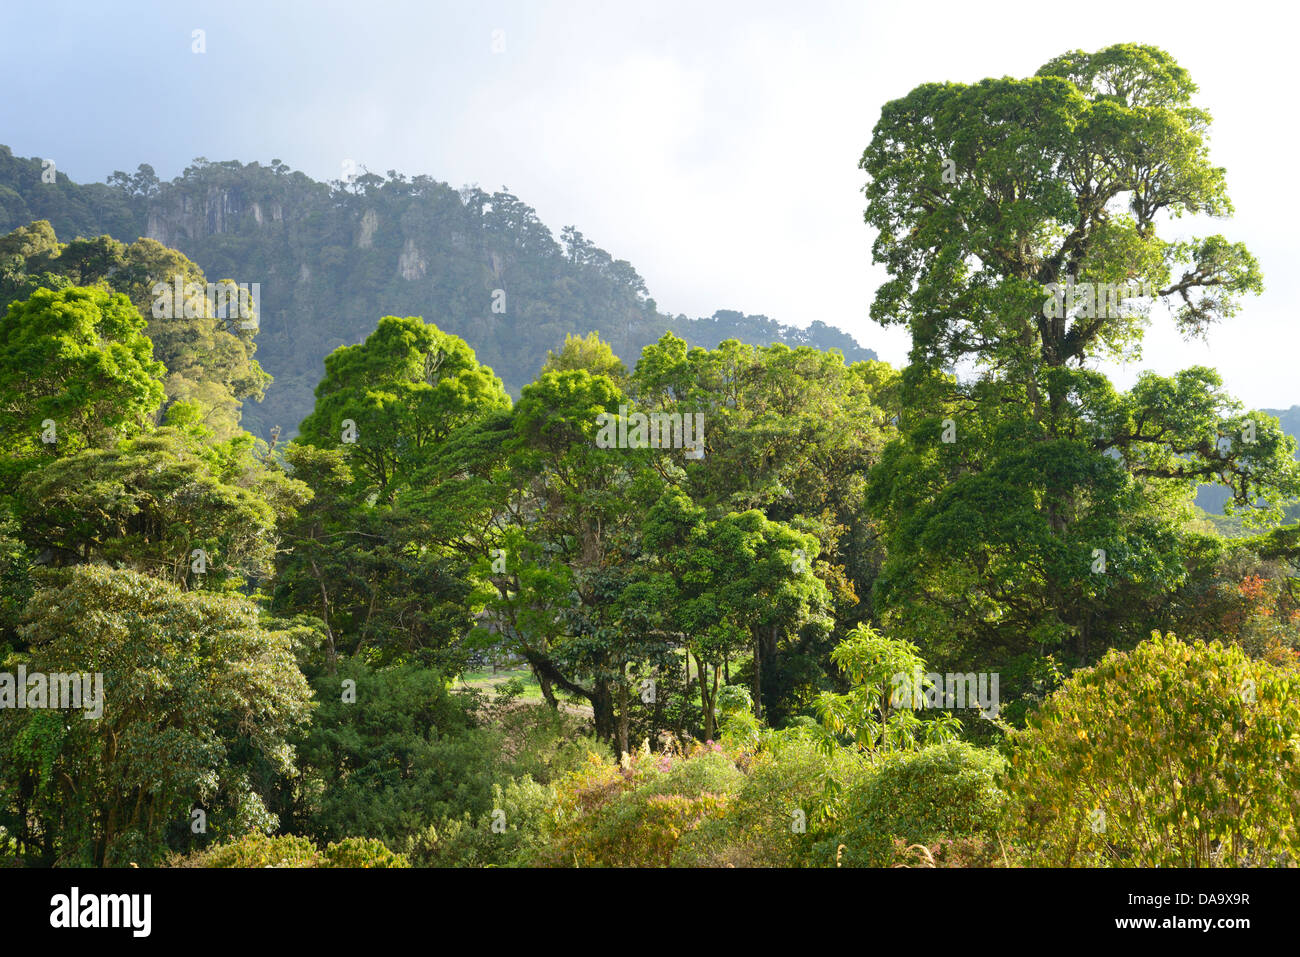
(331, 258)
(1211, 498)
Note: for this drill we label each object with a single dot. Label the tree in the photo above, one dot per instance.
(196, 696)
(405, 389)
(792, 433)
(587, 352)
(873, 714)
(208, 356)
(573, 518)
(78, 358)
(155, 500)
(380, 586)
(739, 580)
(1062, 174)
(366, 558)
(1018, 219)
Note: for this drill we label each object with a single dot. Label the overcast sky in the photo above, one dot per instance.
(714, 145)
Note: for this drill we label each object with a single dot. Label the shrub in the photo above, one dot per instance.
(942, 792)
(291, 850)
(774, 819)
(1173, 754)
(635, 815)
(257, 850)
(402, 756)
(493, 840)
(360, 852)
(543, 743)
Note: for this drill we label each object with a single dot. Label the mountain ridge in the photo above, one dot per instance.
(332, 258)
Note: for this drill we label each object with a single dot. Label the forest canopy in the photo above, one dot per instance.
(587, 590)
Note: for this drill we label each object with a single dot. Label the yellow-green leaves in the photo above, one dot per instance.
(1162, 745)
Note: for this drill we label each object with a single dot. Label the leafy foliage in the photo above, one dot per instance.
(197, 697)
(1175, 754)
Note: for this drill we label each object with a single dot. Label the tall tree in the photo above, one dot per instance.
(79, 359)
(1019, 220)
(383, 575)
(195, 694)
(405, 389)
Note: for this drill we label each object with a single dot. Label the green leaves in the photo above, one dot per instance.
(78, 358)
(980, 192)
(196, 690)
(405, 389)
(868, 715)
(1053, 509)
(154, 499)
(208, 359)
(1186, 751)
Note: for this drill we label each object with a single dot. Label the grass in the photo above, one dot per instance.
(485, 680)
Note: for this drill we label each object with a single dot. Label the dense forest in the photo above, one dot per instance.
(329, 258)
(578, 584)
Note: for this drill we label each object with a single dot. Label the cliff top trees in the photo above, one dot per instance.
(425, 249)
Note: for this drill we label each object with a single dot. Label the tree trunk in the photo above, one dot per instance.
(706, 700)
(602, 711)
(331, 656)
(686, 706)
(548, 692)
(623, 706)
(717, 672)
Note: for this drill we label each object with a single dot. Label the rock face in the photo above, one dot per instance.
(177, 218)
(412, 264)
(369, 224)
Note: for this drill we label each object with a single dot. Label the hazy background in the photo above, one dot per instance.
(714, 145)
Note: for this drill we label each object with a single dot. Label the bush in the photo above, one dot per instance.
(943, 792)
(1173, 754)
(257, 850)
(360, 852)
(494, 840)
(396, 760)
(635, 815)
(543, 743)
(775, 818)
(291, 850)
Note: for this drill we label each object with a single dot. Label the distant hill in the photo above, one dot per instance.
(1211, 498)
(332, 258)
